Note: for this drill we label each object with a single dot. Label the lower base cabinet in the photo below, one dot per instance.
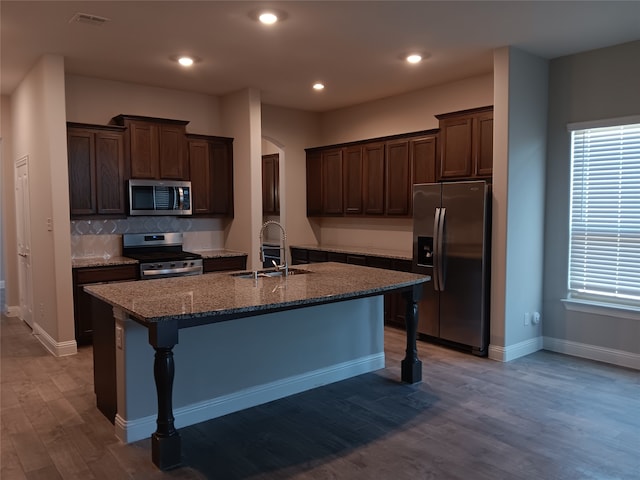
(394, 304)
(82, 300)
(221, 264)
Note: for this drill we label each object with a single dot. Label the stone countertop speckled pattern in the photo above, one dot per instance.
(222, 296)
(219, 253)
(101, 262)
(84, 262)
(377, 252)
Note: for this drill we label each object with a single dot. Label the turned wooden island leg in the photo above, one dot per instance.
(165, 441)
(411, 371)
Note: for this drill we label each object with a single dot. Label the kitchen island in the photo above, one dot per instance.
(164, 307)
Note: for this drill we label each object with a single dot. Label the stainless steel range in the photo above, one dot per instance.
(160, 255)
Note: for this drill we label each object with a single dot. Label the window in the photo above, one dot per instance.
(604, 250)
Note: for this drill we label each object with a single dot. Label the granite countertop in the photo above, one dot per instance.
(377, 252)
(101, 262)
(83, 262)
(222, 296)
(219, 253)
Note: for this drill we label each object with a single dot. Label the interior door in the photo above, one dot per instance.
(23, 219)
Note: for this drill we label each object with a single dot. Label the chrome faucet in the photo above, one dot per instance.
(283, 247)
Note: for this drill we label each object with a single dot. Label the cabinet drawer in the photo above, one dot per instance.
(337, 257)
(106, 274)
(299, 256)
(224, 263)
(317, 256)
(379, 262)
(357, 260)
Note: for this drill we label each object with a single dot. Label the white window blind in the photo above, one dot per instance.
(604, 259)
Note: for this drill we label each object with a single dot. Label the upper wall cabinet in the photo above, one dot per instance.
(157, 147)
(369, 178)
(96, 170)
(466, 144)
(271, 184)
(211, 167)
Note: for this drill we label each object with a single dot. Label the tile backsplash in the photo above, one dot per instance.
(103, 238)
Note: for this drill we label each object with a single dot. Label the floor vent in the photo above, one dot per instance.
(89, 19)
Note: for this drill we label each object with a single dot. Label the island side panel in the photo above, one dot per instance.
(229, 366)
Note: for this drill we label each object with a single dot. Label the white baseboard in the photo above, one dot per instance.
(57, 349)
(593, 352)
(132, 430)
(13, 311)
(511, 352)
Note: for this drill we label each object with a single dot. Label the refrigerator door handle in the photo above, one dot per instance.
(440, 272)
(436, 250)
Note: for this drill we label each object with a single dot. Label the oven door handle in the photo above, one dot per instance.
(166, 271)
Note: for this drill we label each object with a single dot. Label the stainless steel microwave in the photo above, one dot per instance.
(159, 197)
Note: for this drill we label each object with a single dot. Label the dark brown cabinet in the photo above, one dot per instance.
(96, 170)
(221, 264)
(394, 303)
(423, 159)
(157, 147)
(374, 178)
(377, 175)
(398, 178)
(353, 176)
(331, 181)
(314, 184)
(211, 167)
(82, 301)
(271, 184)
(466, 144)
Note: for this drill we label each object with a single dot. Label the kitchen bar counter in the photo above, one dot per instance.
(195, 300)
(165, 306)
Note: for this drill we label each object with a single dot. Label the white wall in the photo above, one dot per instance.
(593, 85)
(292, 131)
(241, 111)
(410, 112)
(38, 122)
(520, 122)
(97, 101)
(7, 212)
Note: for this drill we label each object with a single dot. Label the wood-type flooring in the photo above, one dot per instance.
(544, 416)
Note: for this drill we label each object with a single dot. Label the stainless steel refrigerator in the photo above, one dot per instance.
(451, 242)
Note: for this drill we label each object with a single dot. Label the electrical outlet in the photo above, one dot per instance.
(527, 319)
(536, 318)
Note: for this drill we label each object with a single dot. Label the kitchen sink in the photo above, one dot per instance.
(268, 273)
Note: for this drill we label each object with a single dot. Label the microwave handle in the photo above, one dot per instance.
(180, 199)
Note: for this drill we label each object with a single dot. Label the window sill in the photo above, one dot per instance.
(600, 308)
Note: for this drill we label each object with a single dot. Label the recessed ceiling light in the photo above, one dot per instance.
(318, 86)
(185, 60)
(414, 58)
(268, 16)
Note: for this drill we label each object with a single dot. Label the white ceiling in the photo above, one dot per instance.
(352, 46)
